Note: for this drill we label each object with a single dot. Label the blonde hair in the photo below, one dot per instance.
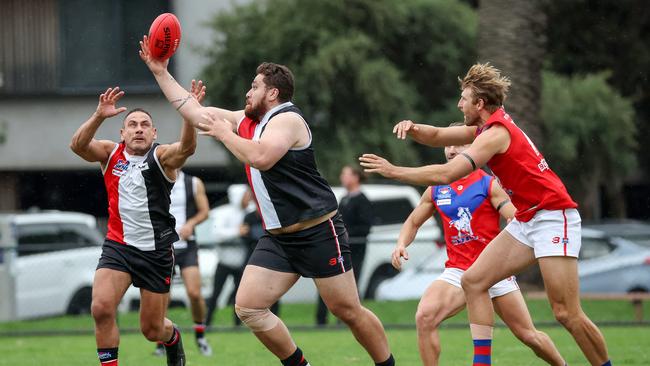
(486, 83)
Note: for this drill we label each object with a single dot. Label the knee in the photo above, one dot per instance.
(566, 316)
(102, 311)
(258, 320)
(347, 313)
(471, 282)
(194, 294)
(153, 332)
(425, 319)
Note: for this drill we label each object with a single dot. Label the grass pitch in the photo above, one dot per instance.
(628, 345)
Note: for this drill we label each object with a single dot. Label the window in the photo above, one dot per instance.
(37, 238)
(594, 248)
(75, 46)
(43, 238)
(391, 211)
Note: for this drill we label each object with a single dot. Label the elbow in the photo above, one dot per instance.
(261, 163)
(75, 147)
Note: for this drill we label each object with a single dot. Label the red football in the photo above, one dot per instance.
(164, 36)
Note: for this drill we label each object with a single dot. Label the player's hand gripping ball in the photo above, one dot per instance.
(164, 36)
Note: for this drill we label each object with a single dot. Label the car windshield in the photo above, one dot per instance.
(48, 237)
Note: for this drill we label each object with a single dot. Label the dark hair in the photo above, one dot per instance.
(279, 77)
(137, 110)
(357, 171)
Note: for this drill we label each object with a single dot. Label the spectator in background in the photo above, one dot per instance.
(232, 254)
(356, 210)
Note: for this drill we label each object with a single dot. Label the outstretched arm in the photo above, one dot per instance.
(181, 99)
(435, 136)
(494, 141)
(83, 141)
(416, 219)
(173, 156)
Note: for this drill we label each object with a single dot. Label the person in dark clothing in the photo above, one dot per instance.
(358, 217)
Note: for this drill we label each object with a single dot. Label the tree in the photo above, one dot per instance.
(512, 37)
(591, 141)
(360, 66)
(590, 36)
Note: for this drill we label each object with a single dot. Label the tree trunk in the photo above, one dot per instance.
(511, 36)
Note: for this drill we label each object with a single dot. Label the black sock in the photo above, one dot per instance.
(296, 359)
(199, 330)
(107, 355)
(389, 362)
(174, 339)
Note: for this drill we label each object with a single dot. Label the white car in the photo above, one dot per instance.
(52, 268)
(391, 205)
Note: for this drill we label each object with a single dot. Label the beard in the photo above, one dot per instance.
(471, 120)
(254, 112)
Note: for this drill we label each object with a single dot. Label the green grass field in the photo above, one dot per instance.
(628, 345)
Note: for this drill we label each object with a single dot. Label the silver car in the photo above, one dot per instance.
(606, 265)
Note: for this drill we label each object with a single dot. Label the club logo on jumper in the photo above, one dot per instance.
(120, 167)
(443, 197)
(168, 280)
(464, 226)
(336, 260)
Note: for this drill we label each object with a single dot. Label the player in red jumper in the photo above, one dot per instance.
(469, 209)
(546, 228)
(139, 175)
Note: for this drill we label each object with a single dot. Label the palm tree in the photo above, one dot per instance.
(511, 36)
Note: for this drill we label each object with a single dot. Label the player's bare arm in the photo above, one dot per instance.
(435, 136)
(416, 219)
(83, 142)
(283, 132)
(173, 156)
(485, 146)
(202, 211)
(181, 99)
(501, 201)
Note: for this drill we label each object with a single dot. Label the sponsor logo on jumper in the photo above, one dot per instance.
(120, 167)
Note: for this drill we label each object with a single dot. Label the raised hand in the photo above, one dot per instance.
(106, 107)
(398, 253)
(376, 164)
(403, 128)
(156, 66)
(198, 90)
(213, 126)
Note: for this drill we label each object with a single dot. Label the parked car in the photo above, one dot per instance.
(612, 264)
(391, 205)
(606, 265)
(54, 263)
(633, 230)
